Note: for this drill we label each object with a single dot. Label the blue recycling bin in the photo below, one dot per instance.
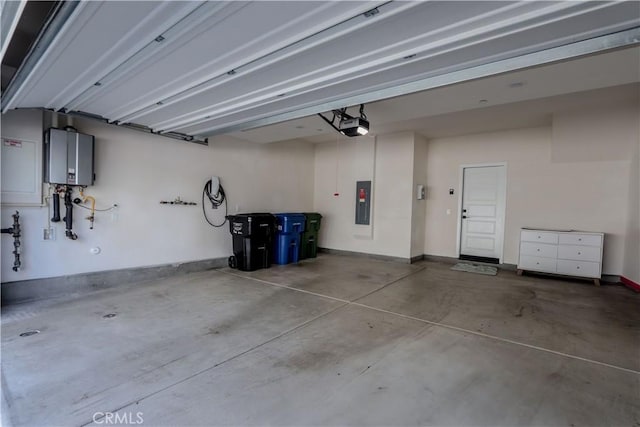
(289, 226)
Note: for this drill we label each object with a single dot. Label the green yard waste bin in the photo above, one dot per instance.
(309, 241)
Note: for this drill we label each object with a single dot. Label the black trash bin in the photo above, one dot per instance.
(252, 235)
(309, 238)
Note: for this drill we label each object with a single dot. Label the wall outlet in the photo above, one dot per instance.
(49, 234)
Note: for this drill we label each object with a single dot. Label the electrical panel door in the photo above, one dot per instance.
(363, 202)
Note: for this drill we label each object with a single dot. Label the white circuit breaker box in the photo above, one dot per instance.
(22, 158)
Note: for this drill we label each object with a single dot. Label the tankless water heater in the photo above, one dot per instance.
(68, 157)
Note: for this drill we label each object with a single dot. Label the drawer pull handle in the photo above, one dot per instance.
(578, 267)
(538, 250)
(579, 253)
(580, 240)
(537, 263)
(539, 237)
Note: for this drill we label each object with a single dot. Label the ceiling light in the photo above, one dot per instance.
(354, 127)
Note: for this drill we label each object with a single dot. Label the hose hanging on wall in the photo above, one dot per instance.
(216, 200)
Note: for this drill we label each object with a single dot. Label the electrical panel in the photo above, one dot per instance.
(363, 202)
(68, 157)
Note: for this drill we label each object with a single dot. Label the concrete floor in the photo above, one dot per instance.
(330, 341)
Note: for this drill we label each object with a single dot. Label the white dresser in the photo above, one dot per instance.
(570, 253)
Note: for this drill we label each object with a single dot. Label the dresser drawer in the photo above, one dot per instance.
(538, 236)
(579, 268)
(579, 253)
(539, 249)
(581, 239)
(535, 263)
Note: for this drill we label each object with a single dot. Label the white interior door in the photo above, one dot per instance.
(482, 213)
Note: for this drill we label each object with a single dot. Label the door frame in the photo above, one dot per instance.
(459, 213)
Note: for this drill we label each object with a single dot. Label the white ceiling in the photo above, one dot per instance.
(202, 68)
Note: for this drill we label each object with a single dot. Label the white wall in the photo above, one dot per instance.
(136, 171)
(574, 175)
(419, 211)
(582, 173)
(392, 198)
(631, 268)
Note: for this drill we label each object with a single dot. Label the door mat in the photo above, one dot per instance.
(475, 268)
